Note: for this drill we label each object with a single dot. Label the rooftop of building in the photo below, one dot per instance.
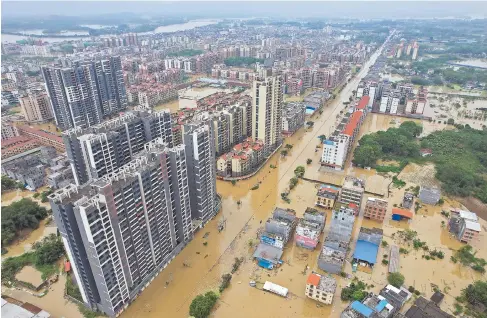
(377, 202)
(324, 283)
(354, 184)
(424, 308)
(403, 212)
(364, 101)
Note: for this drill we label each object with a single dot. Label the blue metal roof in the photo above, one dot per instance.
(381, 305)
(366, 251)
(328, 142)
(361, 308)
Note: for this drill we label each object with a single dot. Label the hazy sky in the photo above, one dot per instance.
(290, 9)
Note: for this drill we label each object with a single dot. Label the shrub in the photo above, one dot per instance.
(395, 279)
(411, 289)
(385, 262)
(385, 244)
(225, 282)
(201, 306)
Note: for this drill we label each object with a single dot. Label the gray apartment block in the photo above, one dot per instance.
(352, 191)
(82, 94)
(101, 149)
(429, 195)
(200, 153)
(373, 235)
(335, 245)
(121, 230)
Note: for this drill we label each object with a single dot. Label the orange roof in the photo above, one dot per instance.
(363, 102)
(313, 279)
(402, 212)
(352, 123)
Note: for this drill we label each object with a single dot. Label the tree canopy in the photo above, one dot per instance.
(461, 160)
(240, 61)
(392, 143)
(395, 279)
(20, 215)
(201, 306)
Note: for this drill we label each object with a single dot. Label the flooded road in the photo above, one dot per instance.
(208, 263)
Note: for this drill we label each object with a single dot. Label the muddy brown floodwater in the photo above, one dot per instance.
(170, 294)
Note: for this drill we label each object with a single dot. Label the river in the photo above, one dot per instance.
(10, 38)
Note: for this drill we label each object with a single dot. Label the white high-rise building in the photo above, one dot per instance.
(267, 107)
(36, 107)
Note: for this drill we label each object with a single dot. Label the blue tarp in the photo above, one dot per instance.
(381, 305)
(366, 251)
(361, 308)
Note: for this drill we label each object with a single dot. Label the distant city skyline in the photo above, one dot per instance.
(239, 9)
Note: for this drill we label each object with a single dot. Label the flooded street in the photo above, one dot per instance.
(208, 263)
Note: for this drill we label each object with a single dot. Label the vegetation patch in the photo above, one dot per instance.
(355, 291)
(388, 145)
(20, 215)
(466, 256)
(186, 52)
(241, 61)
(44, 256)
(461, 161)
(201, 306)
(395, 279)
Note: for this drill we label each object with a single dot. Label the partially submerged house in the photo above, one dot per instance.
(309, 229)
(336, 243)
(401, 214)
(429, 195)
(367, 247)
(464, 225)
(278, 231)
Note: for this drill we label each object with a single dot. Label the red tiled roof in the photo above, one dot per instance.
(41, 133)
(402, 212)
(363, 102)
(352, 123)
(14, 140)
(313, 279)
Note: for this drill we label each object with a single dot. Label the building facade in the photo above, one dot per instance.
(121, 230)
(101, 149)
(375, 209)
(320, 288)
(200, 154)
(84, 93)
(36, 107)
(267, 108)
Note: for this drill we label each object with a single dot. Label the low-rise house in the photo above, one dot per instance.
(464, 225)
(367, 247)
(429, 195)
(407, 201)
(424, 308)
(309, 229)
(401, 214)
(336, 243)
(321, 288)
(326, 196)
(397, 297)
(352, 190)
(373, 306)
(293, 117)
(375, 209)
(278, 231)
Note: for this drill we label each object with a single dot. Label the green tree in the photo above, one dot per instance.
(299, 171)
(20, 215)
(366, 155)
(395, 279)
(412, 128)
(476, 293)
(322, 138)
(201, 306)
